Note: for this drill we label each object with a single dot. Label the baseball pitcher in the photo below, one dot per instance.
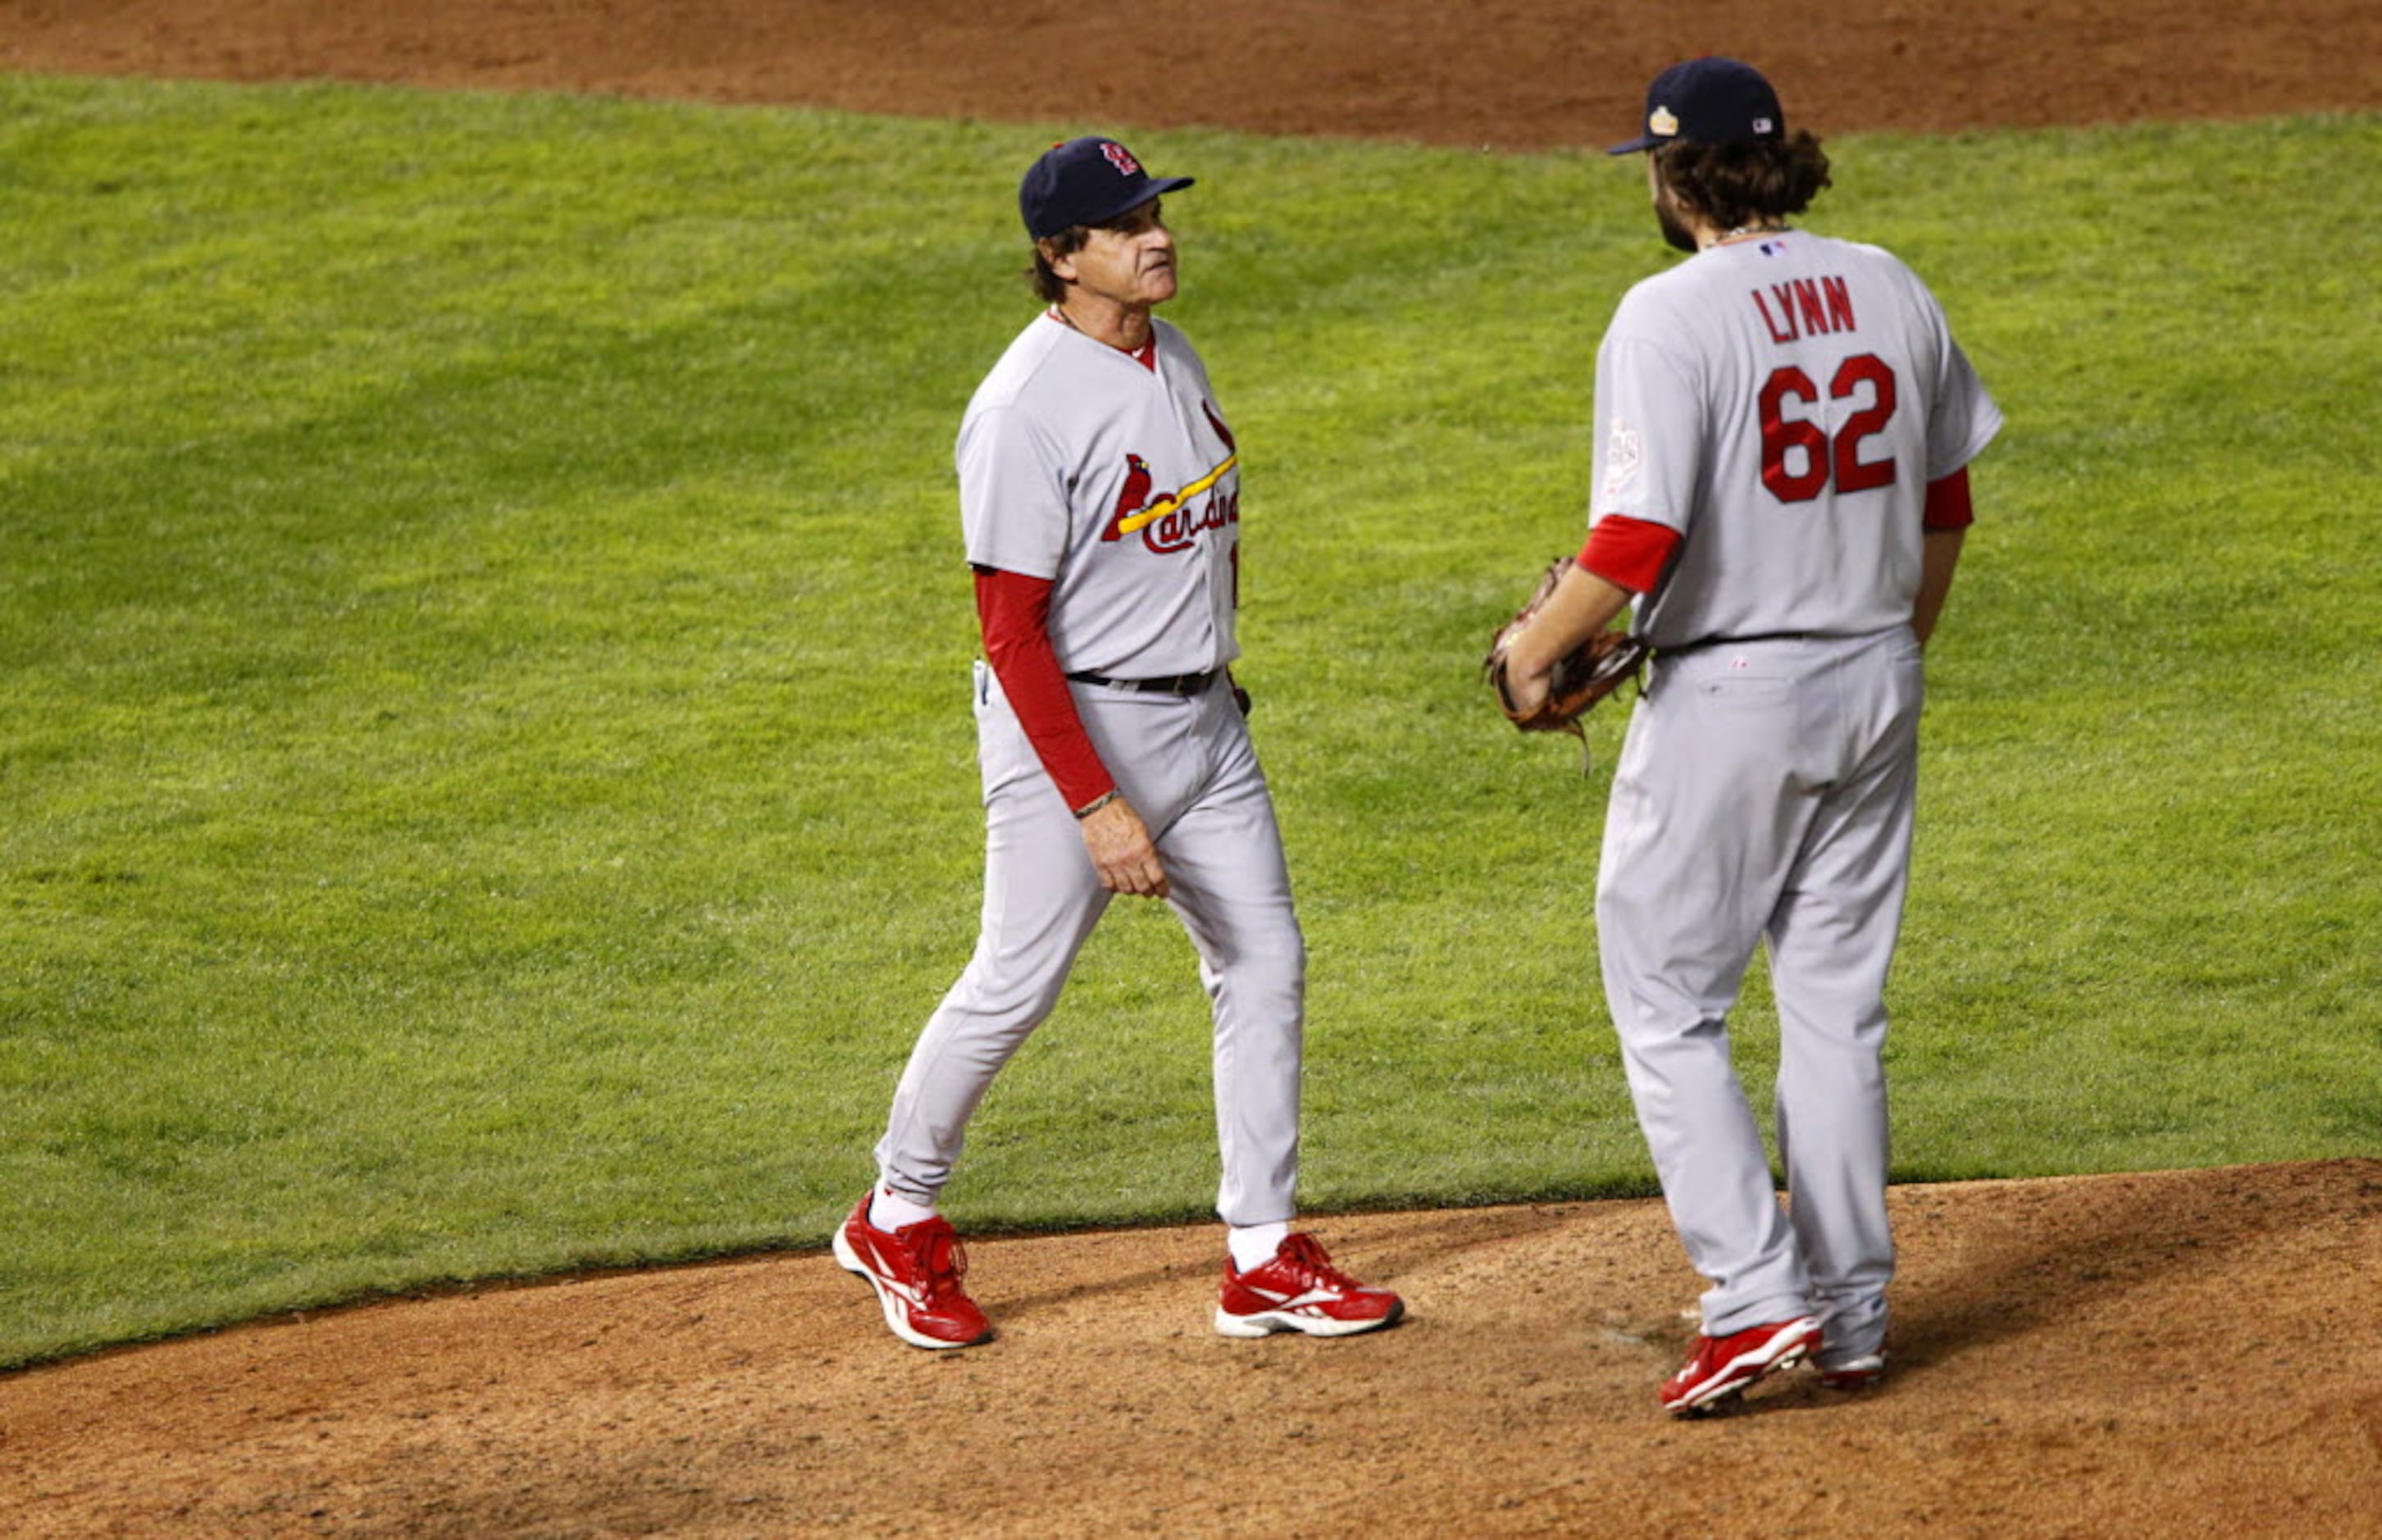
(1783, 429)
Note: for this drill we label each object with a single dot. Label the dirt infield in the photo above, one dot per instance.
(2172, 1354)
(2176, 1354)
(1507, 74)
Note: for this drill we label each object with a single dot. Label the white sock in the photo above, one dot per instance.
(1254, 1245)
(889, 1210)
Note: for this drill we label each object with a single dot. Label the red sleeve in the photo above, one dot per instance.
(1948, 503)
(1014, 611)
(1628, 552)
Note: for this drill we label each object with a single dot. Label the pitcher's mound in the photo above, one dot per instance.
(2184, 1353)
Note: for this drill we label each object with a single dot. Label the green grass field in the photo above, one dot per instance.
(487, 777)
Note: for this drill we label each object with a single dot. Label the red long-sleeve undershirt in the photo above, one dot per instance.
(1948, 503)
(1014, 613)
(1632, 552)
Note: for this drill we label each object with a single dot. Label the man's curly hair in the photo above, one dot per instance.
(1748, 184)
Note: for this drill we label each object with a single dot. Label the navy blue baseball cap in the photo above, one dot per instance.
(1708, 100)
(1086, 181)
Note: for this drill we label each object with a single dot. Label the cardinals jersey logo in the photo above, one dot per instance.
(1168, 523)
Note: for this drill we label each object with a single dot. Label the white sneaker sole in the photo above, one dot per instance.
(896, 1317)
(1853, 1373)
(1267, 1322)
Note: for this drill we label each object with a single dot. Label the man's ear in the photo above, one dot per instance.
(1061, 264)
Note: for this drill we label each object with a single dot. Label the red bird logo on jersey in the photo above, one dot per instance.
(1132, 499)
(1167, 522)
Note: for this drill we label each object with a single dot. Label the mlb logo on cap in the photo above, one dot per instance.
(1708, 100)
(1086, 181)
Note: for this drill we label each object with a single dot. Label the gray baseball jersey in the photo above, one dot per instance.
(1144, 541)
(1782, 403)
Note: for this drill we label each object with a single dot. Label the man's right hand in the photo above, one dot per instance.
(1122, 852)
(1525, 676)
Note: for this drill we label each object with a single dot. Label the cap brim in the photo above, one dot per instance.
(1154, 188)
(1643, 142)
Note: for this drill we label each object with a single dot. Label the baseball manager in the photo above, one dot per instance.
(1100, 505)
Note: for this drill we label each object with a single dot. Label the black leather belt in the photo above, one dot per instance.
(1172, 685)
(1703, 642)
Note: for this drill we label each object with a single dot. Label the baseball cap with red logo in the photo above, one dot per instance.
(1086, 181)
(1708, 100)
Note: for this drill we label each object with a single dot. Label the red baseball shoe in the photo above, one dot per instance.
(915, 1271)
(1723, 1366)
(1299, 1291)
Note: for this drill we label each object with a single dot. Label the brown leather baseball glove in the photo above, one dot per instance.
(1586, 674)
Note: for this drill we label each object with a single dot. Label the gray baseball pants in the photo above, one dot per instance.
(1187, 767)
(1765, 796)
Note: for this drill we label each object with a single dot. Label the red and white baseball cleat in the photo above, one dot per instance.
(1299, 1291)
(1852, 1373)
(916, 1272)
(1723, 1366)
